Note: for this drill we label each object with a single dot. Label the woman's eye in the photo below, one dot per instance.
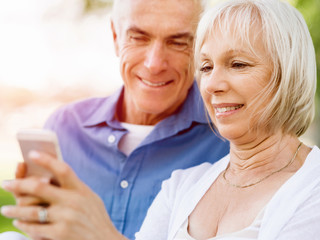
(206, 69)
(239, 65)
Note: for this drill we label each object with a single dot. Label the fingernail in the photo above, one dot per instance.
(45, 180)
(6, 184)
(33, 154)
(15, 223)
(5, 210)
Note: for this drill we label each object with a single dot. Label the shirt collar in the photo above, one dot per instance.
(103, 110)
(193, 108)
(191, 111)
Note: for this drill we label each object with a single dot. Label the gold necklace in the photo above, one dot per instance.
(264, 178)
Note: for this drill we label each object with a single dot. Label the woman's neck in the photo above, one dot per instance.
(261, 156)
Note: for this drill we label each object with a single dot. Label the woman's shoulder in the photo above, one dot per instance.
(299, 201)
(315, 152)
(312, 162)
(183, 179)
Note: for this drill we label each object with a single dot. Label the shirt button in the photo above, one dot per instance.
(124, 184)
(111, 139)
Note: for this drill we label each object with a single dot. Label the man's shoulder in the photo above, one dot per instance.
(84, 107)
(80, 112)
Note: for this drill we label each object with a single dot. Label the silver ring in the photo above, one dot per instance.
(43, 215)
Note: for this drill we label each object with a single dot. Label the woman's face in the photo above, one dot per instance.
(231, 77)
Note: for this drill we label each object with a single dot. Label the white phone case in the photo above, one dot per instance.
(42, 141)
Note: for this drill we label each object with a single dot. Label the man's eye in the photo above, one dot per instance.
(179, 46)
(138, 39)
(206, 69)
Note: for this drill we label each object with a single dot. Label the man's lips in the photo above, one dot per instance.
(155, 84)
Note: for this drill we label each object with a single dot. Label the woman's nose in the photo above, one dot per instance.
(216, 82)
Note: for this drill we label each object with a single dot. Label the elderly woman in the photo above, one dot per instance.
(257, 74)
(256, 69)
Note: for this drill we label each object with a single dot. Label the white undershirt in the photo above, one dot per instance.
(136, 134)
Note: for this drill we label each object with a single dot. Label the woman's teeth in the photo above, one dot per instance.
(227, 109)
(153, 84)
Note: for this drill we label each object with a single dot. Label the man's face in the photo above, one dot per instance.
(154, 41)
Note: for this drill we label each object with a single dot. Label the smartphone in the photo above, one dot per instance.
(42, 141)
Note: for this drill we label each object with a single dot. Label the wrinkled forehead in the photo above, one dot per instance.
(167, 11)
(121, 4)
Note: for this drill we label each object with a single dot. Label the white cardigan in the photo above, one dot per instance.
(292, 213)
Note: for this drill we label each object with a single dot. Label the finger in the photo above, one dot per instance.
(18, 195)
(37, 231)
(41, 215)
(30, 213)
(21, 170)
(28, 200)
(62, 172)
(35, 187)
(54, 229)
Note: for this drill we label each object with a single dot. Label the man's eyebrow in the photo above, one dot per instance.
(187, 35)
(135, 29)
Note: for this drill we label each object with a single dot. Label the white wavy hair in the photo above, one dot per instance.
(286, 37)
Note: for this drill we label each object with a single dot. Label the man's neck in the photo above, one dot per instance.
(127, 112)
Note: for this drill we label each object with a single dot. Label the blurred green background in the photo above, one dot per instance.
(309, 8)
(6, 224)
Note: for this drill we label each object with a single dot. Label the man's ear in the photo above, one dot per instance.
(115, 38)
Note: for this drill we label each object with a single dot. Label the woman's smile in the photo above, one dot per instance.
(226, 109)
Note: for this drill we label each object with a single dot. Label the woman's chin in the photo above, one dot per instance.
(233, 134)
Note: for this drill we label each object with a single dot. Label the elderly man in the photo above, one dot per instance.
(125, 145)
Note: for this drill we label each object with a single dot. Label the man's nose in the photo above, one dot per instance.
(156, 59)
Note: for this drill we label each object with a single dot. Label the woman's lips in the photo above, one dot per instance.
(228, 109)
(224, 110)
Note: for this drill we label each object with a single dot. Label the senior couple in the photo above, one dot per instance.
(254, 61)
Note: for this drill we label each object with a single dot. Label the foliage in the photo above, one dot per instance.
(311, 12)
(5, 223)
(310, 9)
(97, 4)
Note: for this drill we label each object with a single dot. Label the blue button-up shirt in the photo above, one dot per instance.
(89, 136)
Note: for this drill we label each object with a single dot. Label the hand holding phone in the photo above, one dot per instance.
(42, 141)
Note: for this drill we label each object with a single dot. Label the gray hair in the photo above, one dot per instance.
(286, 37)
(203, 4)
